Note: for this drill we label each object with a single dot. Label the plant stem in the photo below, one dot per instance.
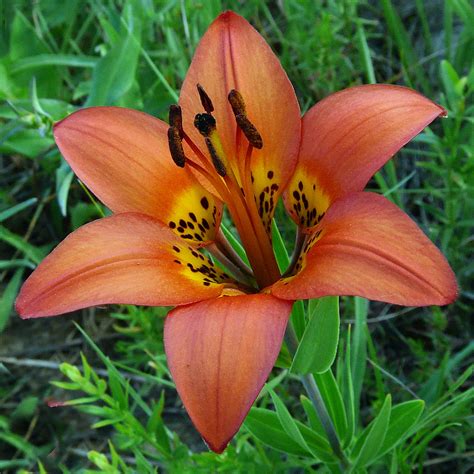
(316, 398)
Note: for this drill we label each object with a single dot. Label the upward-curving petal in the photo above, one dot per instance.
(123, 259)
(366, 246)
(346, 138)
(122, 155)
(233, 55)
(220, 352)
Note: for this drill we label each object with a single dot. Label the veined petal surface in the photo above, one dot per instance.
(233, 55)
(366, 246)
(122, 156)
(346, 138)
(220, 352)
(123, 259)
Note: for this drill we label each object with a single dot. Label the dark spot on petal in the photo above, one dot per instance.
(205, 203)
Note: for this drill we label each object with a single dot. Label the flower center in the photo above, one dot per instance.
(234, 187)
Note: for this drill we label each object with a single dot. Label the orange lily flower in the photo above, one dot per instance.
(238, 140)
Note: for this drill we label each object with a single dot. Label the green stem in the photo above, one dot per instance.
(316, 398)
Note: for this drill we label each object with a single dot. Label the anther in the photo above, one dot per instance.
(248, 128)
(205, 99)
(237, 102)
(205, 123)
(176, 147)
(176, 118)
(216, 161)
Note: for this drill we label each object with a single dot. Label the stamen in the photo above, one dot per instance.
(216, 160)
(237, 102)
(176, 118)
(176, 147)
(205, 123)
(248, 128)
(205, 99)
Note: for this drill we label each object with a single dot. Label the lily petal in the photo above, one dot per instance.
(123, 259)
(220, 353)
(122, 155)
(233, 55)
(346, 138)
(366, 246)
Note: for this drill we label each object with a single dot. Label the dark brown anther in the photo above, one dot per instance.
(176, 118)
(216, 161)
(205, 99)
(237, 102)
(249, 130)
(205, 123)
(176, 147)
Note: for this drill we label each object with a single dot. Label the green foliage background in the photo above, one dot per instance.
(57, 55)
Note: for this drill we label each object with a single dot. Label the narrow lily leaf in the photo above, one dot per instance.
(265, 426)
(111, 369)
(235, 243)
(11, 211)
(286, 420)
(64, 177)
(301, 434)
(30, 251)
(283, 259)
(113, 75)
(44, 60)
(156, 426)
(279, 247)
(333, 400)
(318, 346)
(312, 415)
(347, 389)
(359, 349)
(403, 418)
(117, 391)
(375, 436)
(8, 298)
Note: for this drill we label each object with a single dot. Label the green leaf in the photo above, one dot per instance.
(333, 400)
(44, 60)
(359, 349)
(26, 408)
(114, 74)
(375, 436)
(403, 418)
(33, 253)
(317, 349)
(8, 298)
(279, 248)
(265, 426)
(347, 389)
(117, 390)
(305, 437)
(156, 426)
(64, 177)
(11, 211)
(286, 420)
(111, 368)
(312, 415)
(298, 313)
